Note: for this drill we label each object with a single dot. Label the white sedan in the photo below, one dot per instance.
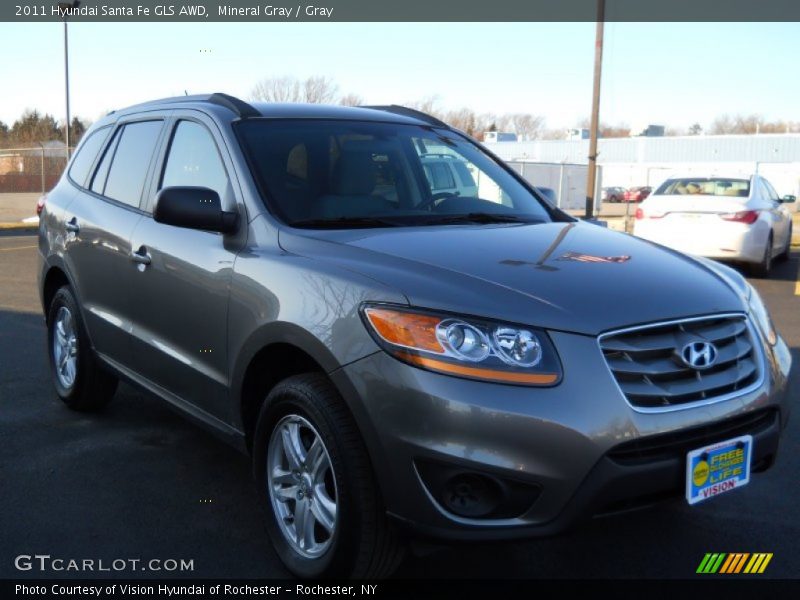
(739, 219)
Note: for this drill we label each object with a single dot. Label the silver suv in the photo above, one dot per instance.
(396, 358)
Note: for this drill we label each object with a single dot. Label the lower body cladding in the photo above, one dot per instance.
(461, 459)
(717, 239)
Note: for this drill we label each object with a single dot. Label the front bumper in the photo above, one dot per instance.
(567, 442)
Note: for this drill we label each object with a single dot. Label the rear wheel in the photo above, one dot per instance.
(78, 378)
(762, 269)
(323, 509)
(784, 255)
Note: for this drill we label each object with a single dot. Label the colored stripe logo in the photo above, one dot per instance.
(734, 562)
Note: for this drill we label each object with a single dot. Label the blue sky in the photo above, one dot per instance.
(670, 73)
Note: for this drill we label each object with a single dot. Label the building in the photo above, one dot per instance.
(645, 160)
(499, 136)
(648, 160)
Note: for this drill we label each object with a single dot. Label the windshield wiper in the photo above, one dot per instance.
(345, 223)
(480, 218)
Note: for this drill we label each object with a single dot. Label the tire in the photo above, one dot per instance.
(78, 378)
(784, 255)
(362, 542)
(762, 269)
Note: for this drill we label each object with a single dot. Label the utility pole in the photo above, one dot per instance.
(64, 7)
(591, 179)
(66, 80)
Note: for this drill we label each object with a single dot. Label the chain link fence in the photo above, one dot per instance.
(31, 169)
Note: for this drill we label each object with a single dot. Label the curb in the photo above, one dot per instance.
(19, 227)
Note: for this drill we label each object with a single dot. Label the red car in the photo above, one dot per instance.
(637, 194)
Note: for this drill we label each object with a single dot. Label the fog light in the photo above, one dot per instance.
(469, 495)
(474, 494)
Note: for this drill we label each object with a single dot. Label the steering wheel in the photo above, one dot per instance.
(435, 198)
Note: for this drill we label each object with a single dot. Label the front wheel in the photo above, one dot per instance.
(323, 509)
(784, 255)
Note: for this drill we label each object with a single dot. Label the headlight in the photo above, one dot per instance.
(761, 316)
(464, 346)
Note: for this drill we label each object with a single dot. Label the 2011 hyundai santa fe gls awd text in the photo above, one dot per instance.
(396, 359)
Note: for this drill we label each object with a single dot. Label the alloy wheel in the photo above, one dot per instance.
(302, 486)
(65, 347)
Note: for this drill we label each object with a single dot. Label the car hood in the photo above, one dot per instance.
(567, 276)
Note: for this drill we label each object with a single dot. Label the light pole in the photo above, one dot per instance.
(64, 7)
(591, 179)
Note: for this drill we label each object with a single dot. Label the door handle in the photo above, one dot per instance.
(141, 256)
(72, 225)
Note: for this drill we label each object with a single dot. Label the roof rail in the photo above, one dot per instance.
(240, 107)
(409, 112)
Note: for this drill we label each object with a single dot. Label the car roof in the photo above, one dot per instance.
(231, 108)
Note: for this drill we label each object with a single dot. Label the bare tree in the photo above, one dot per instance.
(605, 130)
(464, 119)
(553, 134)
(277, 89)
(727, 124)
(749, 124)
(314, 90)
(351, 100)
(428, 105)
(320, 90)
(527, 126)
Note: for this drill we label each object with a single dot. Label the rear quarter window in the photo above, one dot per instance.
(87, 153)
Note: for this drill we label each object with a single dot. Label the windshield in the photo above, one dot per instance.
(318, 173)
(739, 188)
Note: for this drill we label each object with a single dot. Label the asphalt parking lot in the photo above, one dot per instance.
(138, 481)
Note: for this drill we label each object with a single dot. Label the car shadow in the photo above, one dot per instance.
(782, 270)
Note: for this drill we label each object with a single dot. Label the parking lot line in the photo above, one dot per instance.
(797, 281)
(16, 248)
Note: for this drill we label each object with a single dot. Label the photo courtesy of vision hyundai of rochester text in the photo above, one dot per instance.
(405, 337)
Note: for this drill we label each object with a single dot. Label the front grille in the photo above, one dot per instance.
(676, 444)
(647, 365)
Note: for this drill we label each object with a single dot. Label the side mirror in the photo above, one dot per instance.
(788, 199)
(548, 193)
(194, 208)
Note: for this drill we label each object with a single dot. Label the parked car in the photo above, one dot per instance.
(395, 357)
(613, 194)
(448, 174)
(40, 202)
(739, 218)
(636, 194)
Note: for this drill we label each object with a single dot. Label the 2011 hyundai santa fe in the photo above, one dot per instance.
(458, 364)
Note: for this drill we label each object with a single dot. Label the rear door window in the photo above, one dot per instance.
(126, 176)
